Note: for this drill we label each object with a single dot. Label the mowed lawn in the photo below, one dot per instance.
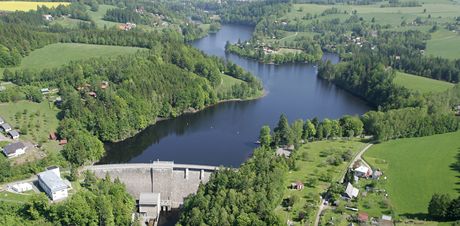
(26, 6)
(417, 168)
(421, 84)
(55, 55)
(444, 43)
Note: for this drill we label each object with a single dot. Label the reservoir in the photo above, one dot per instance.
(224, 134)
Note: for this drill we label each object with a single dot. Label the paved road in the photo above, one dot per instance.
(358, 156)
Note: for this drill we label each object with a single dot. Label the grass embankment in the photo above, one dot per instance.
(26, 6)
(314, 171)
(416, 169)
(421, 84)
(58, 54)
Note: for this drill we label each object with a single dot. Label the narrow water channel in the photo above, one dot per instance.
(224, 134)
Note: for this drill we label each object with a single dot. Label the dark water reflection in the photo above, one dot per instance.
(224, 134)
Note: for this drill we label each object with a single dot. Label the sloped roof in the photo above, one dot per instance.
(362, 169)
(52, 181)
(12, 148)
(351, 191)
(13, 133)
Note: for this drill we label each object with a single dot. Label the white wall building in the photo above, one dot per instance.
(14, 149)
(50, 181)
(22, 187)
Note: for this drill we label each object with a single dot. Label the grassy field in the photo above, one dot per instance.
(416, 168)
(61, 53)
(26, 6)
(97, 16)
(444, 43)
(311, 162)
(227, 83)
(421, 84)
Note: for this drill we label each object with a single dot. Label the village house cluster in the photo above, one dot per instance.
(13, 149)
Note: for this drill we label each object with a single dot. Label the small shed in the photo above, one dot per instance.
(13, 134)
(297, 185)
(53, 136)
(22, 187)
(5, 127)
(283, 152)
(363, 217)
(376, 174)
(63, 142)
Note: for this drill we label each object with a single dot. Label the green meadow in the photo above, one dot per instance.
(421, 84)
(55, 55)
(416, 168)
(444, 43)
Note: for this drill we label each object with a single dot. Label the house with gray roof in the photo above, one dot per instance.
(14, 149)
(50, 181)
(5, 127)
(13, 134)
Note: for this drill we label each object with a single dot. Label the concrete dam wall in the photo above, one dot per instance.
(172, 181)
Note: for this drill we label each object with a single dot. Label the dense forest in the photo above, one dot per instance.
(251, 13)
(247, 196)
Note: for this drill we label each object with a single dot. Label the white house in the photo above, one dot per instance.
(363, 171)
(5, 127)
(351, 192)
(14, 149)
(22, 187)
(50, 181)
(48, 17)
(13, 134)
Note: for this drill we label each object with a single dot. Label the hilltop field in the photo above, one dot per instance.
(416, 169)
(55, 55)
(421, 84)
(26, 6)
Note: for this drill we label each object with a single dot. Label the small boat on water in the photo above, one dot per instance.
(257, 142)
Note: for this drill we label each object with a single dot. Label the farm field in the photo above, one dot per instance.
(421, 84)
(58, 54)
(314, 171)
(414, 163)
(26, 6)
(444, 43)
